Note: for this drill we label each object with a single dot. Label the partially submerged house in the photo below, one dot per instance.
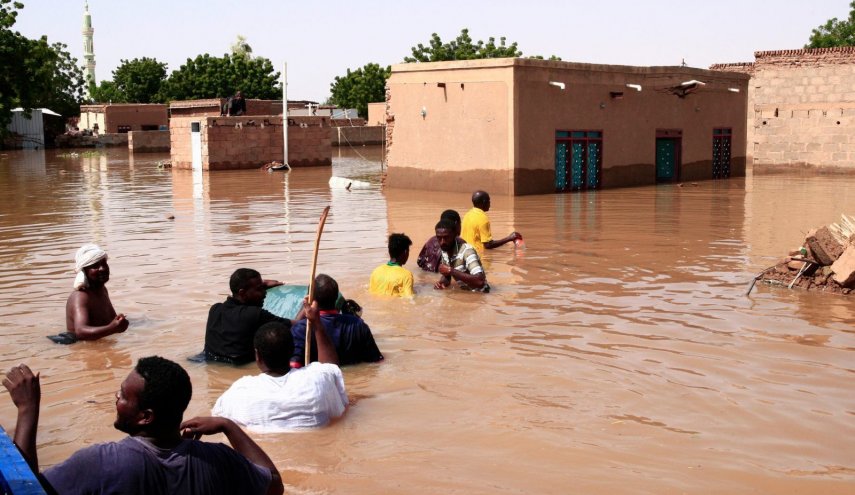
(34, 130)
(525, 126)
(123, 117)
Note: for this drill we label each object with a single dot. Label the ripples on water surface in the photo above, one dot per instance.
(617, 353)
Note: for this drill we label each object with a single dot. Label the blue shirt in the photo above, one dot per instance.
(351, 337)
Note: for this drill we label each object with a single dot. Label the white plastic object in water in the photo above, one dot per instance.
(345, 183)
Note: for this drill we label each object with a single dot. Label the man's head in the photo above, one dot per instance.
(238, 94)
(446, 234)
(247, 286)
(326, 292)
(153, 397)
(480, 199)
(399, 248)
(273, 347)
(454, 217)
(90, 263)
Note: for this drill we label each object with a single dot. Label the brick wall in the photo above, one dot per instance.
(801, 109)
(251, 142)
(352, 136)
(213, 106)
(148, 141)
(135, 116)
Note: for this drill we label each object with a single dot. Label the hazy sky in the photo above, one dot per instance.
(322, 39)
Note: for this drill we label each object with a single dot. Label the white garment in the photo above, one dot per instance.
(306, 397)
(87, 255)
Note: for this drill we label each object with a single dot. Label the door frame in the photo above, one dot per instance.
(675, 135)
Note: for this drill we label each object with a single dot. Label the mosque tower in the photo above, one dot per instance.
(88, 47)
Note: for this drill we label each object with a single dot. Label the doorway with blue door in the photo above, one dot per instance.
(669, 150)
(578, 160)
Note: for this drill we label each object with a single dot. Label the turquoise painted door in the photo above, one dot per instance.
(666, 159)
(561, 183)
(592, 175)
(577, 165)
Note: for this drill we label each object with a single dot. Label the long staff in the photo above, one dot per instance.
(321, 223)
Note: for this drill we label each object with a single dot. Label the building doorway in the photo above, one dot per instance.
(578, 160)
(669, 145)
(721, 152)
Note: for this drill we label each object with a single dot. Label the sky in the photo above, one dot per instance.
(321, 39)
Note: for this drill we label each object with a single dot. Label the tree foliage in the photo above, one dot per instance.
(358, 88)
(835, 32)
(241, 48)
(35, 73)
(219, 77)
(462, 48)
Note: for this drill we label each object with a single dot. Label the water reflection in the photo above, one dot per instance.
(618, 342)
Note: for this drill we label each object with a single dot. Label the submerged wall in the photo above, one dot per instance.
(148, 141)
(801, 108)
(251, 142)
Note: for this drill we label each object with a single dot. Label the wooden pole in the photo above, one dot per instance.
(308, 345)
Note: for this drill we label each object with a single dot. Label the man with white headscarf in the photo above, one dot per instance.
(89, 313)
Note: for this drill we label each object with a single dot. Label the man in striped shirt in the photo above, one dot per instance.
(459, 261)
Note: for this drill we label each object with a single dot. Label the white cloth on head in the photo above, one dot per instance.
(87, 255)
(306, 397)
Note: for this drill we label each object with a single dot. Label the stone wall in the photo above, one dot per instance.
(148, 141)
(251, 142)
(801, 109)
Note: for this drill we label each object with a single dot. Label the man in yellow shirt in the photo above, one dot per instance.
(476, 225)
(392, 279)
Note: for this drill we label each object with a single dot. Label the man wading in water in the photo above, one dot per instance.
(89, 313)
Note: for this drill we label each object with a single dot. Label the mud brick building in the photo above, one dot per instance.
(524, 126)
(801, 108)
(123, 117)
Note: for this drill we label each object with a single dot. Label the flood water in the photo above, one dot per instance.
(617, 353)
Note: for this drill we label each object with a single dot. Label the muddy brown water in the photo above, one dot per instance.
(616, 354)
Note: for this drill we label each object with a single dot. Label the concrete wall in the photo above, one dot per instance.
(250, 142)
(491, 124)
(148, 141)
(358, 136)
(801, 108)
(376, 113)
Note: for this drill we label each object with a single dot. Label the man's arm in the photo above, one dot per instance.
(473, 281)
(443, 281)
(326, 349)
(493, 244)
(25, 390)
(80, 317)
(240, 441)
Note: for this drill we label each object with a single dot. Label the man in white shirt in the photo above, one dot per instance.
(281, 398)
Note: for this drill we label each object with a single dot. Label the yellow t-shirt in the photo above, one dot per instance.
(475, 229)
(391, 280)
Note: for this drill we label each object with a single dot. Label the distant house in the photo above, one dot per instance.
(123, 117)
(35, 131)
(525, 126)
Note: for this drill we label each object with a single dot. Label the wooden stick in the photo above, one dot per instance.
(321, 223)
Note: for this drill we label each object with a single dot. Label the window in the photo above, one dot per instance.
(721, 152)
(578, 160)
(123, 129)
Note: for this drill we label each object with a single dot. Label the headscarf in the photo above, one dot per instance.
(87, 255)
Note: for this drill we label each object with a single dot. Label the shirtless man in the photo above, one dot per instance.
(89, 314)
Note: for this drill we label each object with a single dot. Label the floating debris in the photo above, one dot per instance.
(162, 164)
(825, 262)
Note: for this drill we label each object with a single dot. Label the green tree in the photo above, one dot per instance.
(218, 77)
(358, 88)
(106, 92)
(34, 73)
(140, 80)
(835, 32)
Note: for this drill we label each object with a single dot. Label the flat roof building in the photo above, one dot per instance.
(526, 126)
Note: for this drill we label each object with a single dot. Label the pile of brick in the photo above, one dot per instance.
(825, 262)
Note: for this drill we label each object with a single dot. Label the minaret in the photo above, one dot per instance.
(88, 47)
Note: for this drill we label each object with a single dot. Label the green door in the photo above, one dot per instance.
(666, 159)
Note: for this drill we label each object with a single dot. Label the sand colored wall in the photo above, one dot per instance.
(358, 136)
(212, 107)
(492, 125)
(148, 141)
(376, 113)
(251, 142)
(628, 120)
(801, 108)
(465, 139)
